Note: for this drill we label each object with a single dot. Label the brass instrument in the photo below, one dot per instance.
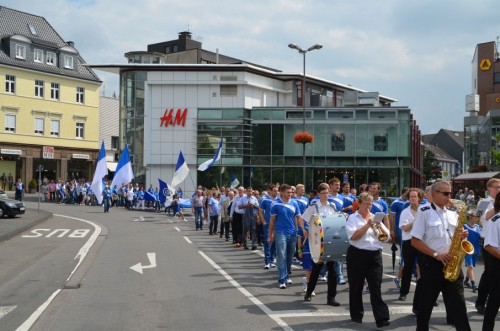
(378, 232)
(458, 247)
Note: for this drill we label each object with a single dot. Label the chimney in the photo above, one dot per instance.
(184, 35)
(70, 43)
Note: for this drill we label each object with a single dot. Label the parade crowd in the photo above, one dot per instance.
(420, 224)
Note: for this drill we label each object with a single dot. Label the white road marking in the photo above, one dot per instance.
(6, 309)
(247, 294)
(37, 313)
(187, 239)
(152, 264)
(82, 253)
(178, 230)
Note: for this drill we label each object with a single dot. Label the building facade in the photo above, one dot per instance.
(166, 108)
(49, 102)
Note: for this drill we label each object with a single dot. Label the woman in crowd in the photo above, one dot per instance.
(364, 261)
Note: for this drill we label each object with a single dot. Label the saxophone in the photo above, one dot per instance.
(458, 247)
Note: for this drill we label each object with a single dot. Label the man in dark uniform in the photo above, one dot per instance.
(432, 234)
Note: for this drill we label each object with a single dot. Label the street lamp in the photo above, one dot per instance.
(303, 52)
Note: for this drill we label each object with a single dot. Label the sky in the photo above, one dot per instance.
(416, 51)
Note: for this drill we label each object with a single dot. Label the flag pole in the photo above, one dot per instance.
(192, 181)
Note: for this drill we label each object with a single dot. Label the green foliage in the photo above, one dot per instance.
(495, 154)
(432, 170)
(32, 184)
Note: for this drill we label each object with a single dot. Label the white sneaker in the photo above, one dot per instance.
(282, 286)
(289, 281)
(323, 279)
(273, 265)
(313, 294)
(304, 284)
(267, 266)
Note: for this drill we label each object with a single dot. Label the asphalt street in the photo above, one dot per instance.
(188, 280)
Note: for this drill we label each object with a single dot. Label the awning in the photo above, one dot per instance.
(477, 176)
(112, 166)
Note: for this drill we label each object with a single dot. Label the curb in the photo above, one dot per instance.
(44, 216)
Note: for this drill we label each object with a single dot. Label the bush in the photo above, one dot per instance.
(32, 184)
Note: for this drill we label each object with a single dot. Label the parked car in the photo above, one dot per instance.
(11, 207)
(3, 195)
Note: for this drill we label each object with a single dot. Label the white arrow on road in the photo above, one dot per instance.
(152, 264)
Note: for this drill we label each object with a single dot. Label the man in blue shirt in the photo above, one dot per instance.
(265, 215)
(282, 228)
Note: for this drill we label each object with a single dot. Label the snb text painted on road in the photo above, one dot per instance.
(57, 233)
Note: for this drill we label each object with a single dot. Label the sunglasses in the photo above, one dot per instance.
(445, 193)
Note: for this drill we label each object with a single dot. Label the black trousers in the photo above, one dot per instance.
(224, 229)
(364, 264)
(433, 282)
(484, 285)
(409, 258)
(237, 227)
(493, 303)
(332, 279)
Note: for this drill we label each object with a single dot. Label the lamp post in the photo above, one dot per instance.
(303, 52)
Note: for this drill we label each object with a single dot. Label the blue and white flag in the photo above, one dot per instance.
(233, 182)
(207, 164)
(123, 172)
(148, 196)
(101, 170)
(181, 171)
(166, 193)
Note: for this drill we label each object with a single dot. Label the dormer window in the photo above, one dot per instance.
(38, 56)
(68, 62)
(32, 29)
(20, 52)
(51, 59)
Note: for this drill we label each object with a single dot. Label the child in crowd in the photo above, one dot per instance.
(470, 259)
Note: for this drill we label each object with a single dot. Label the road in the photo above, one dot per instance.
(181, 279)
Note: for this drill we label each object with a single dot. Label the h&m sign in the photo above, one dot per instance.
(169, 119)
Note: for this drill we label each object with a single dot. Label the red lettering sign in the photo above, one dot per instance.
(169, 119)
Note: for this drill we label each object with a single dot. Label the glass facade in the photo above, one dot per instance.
(132, 119)
(359, 145)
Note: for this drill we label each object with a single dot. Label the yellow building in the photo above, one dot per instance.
(49, 102)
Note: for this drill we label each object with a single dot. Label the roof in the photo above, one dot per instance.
(427, 138)
(440, 154)
(17, 23)
(477, 176)
(457, 136)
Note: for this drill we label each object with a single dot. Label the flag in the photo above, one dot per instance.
(101, 170)
(123, 172)
(149, 196)
(181, 171)
(207, 164)
(233, 182)
(166, 192)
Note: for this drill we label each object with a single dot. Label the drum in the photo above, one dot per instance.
(328, 238)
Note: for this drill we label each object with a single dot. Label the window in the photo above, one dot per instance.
(38, 56)
(114, 142)
(10, 84)
(39, 88)
(54, 91)
(10, 123)
(20, 52)
(80, 130)
(380, 142)
(80, 94)
(496, 77)
(338, 142)
(39, 125)
(229, 90)
(32, 29)
(68, 62)
(54, 128)
(51, 58)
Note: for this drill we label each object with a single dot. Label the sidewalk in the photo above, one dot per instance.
(12, 226)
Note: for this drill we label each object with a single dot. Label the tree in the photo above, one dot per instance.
(432, 170)
(495, 154)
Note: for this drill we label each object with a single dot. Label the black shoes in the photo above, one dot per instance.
(382, 324)
(332, 302)
(245, 247)
(357, 320)
(402, 298)
(307, 297)
(480, 308)
(254, 248)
